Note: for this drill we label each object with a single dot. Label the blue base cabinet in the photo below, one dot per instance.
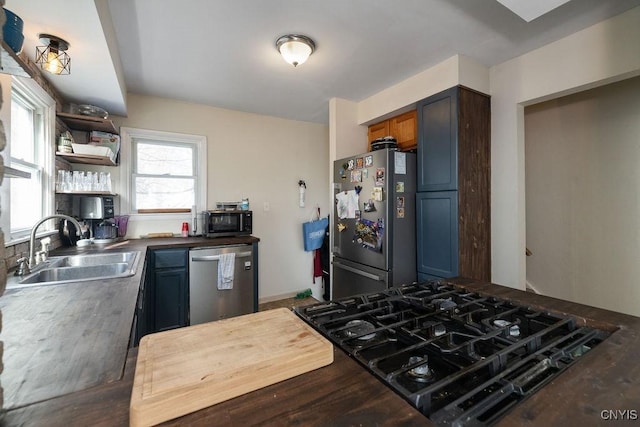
(170, 288)
(164, 296)
(453, 222)
(438, 231)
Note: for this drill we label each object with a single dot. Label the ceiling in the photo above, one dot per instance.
(222, 52)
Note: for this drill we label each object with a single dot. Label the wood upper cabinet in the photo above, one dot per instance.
(379, 130)
(404, 128)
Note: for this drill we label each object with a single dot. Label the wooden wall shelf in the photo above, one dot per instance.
(87, 123)
(86, 159)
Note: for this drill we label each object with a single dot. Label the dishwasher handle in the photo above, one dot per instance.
(217, 257)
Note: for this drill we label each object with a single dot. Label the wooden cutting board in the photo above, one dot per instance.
(187, 369)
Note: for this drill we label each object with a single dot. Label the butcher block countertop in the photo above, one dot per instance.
(605, 381)
(184, 370)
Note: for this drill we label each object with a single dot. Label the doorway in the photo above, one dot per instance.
(582, 162)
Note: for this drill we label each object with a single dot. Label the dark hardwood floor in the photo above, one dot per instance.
(288, 303)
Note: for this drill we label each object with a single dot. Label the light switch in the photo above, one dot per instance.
(266, 206)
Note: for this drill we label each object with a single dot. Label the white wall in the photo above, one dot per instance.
(347, 137)
(258, 157)
(583, 197)
(457, 70)
(603, 53)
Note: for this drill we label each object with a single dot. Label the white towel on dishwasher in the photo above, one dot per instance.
(226, 266)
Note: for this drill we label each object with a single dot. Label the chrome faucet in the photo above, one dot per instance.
(32, 239)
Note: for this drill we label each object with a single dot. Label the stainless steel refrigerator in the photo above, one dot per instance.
(374, 233)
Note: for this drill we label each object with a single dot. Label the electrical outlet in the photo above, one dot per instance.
(266, 206)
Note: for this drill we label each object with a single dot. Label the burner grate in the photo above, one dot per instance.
(458, 356)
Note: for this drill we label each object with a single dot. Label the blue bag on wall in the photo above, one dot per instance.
(313, 233)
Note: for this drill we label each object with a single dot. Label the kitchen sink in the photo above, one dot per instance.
(78, 268)
(97, 259)
(68, 274)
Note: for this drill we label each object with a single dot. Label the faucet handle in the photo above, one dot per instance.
(23, 267)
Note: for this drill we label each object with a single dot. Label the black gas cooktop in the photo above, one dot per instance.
(459, 357)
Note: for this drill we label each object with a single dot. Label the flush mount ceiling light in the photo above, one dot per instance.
(52, 57)
(295, 48)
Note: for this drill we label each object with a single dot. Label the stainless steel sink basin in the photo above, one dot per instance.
(98, 259)
(71, 274)
(78, 268)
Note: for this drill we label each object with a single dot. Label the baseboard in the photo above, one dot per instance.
(531, 288)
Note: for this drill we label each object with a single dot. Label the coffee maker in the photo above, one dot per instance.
(98, 213)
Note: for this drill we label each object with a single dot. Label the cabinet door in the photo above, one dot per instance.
(170, 258)
(437, 142)
(170, 298)
(437, 233)
(404, 129)
(379, 130)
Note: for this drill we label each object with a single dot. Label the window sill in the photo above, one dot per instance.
(25, 239)
(158, 216)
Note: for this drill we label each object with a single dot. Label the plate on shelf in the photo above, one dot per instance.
(92, 110)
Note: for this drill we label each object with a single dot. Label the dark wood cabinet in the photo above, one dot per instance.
(170, 302)
(164, 296)
(170, 288)
(453, 184)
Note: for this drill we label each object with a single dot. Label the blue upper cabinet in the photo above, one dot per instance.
(438, 142)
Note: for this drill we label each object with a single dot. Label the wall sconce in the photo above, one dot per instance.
(295, 48)
(52, 57)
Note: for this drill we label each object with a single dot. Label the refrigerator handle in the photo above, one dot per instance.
(358, 272)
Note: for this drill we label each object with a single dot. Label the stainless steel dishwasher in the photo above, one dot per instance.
(208, 303)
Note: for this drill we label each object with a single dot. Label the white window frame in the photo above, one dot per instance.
(127, 135)
(36, 95)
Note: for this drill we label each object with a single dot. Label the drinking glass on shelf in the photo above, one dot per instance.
(103, 181)
(60, 181)
(95, 183)
(67, 183)
(77, 181)
(86, 181)
(108, 181)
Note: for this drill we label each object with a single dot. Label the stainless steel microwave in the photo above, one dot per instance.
(224, 223)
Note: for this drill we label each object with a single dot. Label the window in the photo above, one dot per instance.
(29, 150)
(164, 172)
